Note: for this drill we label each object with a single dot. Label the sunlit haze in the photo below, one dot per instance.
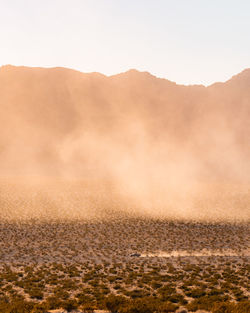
(189, 42)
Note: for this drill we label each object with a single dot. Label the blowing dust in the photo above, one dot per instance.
(83, 146)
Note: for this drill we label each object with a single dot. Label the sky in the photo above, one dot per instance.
(186, 41)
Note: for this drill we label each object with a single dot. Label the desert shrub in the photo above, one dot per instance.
(68, 284)
(156, 285)
(69, 305)
(84, 298)
(117, 287)
(40, 308)
(137, 293)
(88, 308)
(177, 298)
(112, 279)
(223, 308)
(168, 294)
(62, 294)
(215, 292)
(167, 307)
(36, 294)
(99, 296)
(166, 290)
(196, 293)
(94, 283)
(205, 302)
(243, 307)
(241, 298)
(16, 306)
(229, 307)
(142, 305)
(105, 290)
(114, 303)
(53, 302)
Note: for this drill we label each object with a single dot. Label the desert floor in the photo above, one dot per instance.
(80, 264)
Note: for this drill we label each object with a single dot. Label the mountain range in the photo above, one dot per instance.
(143, 133)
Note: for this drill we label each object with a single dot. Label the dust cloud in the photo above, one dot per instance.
(75, 145)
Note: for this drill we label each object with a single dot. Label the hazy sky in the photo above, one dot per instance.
(187, 41)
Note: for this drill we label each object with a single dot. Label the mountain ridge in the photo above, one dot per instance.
(133, 71)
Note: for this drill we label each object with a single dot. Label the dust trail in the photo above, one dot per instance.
(201, 253)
